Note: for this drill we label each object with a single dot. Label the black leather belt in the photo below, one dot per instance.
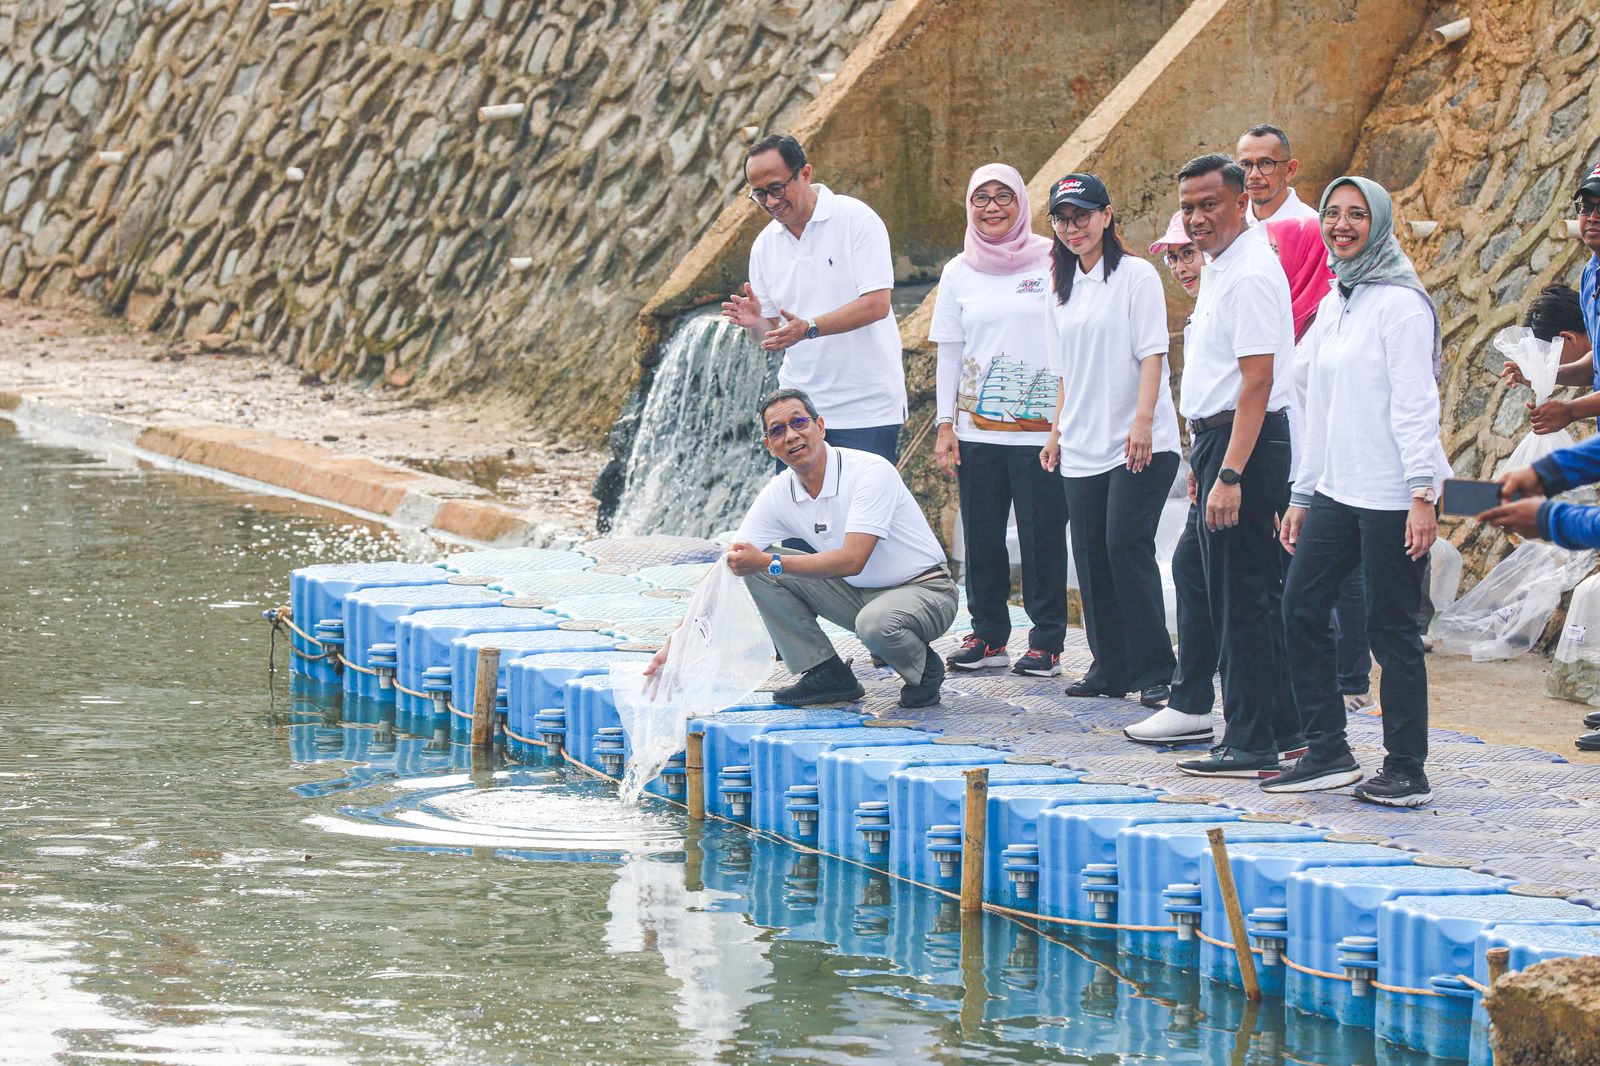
(1224, 418)
(930, 574)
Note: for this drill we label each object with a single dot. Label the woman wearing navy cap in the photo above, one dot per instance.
(1115, 438)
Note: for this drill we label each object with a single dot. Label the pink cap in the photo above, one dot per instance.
(1174, 235)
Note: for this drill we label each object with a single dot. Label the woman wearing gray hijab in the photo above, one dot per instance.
(1363, 495)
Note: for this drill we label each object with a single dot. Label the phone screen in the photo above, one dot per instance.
(1467, 497)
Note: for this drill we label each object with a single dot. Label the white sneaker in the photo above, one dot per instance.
(1168, 726)
(1358, 702)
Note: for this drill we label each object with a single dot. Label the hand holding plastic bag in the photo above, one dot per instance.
(1539, 362)
(717, 657)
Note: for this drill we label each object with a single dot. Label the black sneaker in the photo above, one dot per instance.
(975, 654)
(1230, 762)
(1394, 788)
(1156, 696)
(1588, 741)
(1084, 690)
(1038, 664)
(925, 693)
(1308, 775)
(829, 681)
(1592, 720)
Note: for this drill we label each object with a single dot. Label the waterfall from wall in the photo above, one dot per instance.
(696, 462)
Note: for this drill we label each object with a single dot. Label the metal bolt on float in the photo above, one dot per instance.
(872, 822)
(1100, 885)
(608, 749)
(1021, 864)
(381, 657)
(944, 846)
(734, 785)
(551, 726)
(1358, 956)
(803, 804)
(1269, 931)
(436, 682)
(1182, 902)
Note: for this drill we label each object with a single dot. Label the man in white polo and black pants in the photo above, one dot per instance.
(1236, 392)
(820, 278)
(878, 570)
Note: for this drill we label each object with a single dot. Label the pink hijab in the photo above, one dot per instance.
(1018, 249)
(1305, 260)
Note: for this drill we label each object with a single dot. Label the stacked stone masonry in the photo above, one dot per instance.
(389, 259)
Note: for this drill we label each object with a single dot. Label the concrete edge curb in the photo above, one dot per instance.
(262, 462)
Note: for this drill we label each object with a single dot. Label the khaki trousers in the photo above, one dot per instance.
(896, 624)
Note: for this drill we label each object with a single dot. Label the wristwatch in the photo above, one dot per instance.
(1427, 495)
(812, 332)
(1228, 476)
(775, 567)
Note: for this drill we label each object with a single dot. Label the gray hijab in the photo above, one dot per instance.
(1382, 261)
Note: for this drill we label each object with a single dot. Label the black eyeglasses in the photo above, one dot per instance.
(1582, 207)
(1076, 220)
(1004, 198)
(779, 430)
(1183, 255)
(1265, 166)
(775, 191)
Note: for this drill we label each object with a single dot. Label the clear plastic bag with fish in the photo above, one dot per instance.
(1504, 613)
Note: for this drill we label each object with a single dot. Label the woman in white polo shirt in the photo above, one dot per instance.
(996, 397)
(1115, 438)
(1364, 487)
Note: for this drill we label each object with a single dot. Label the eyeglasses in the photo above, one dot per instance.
(1355, 216)
(1076, 220)
(779, 430)
(775, 191)
(1264, 166)
(1582, 207)
(1003, 198)
(1184, 255)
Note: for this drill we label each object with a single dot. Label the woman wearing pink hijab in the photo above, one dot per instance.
(1298, 242)
(996, 397)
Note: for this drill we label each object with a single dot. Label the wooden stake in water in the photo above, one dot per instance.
(1499, 960)
(694, 773)
(484, 697)
(974, 830)
(1230, 902)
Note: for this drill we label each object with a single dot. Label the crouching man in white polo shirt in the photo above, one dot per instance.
(878, 569)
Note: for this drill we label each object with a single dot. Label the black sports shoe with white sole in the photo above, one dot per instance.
(1394, 788)
(1230, 762)
(1308, 775)
(830, 681)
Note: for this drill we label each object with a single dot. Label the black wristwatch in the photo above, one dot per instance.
(1228, 476)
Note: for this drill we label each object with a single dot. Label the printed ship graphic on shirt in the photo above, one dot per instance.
(1012, 396)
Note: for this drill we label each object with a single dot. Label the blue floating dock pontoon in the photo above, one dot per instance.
(316, 599)
(536, 685)
(726, 752)
(1427, 943)
(422, 642)
(1011, 854)
(785, 760)
(464, 662)
(497, 562)
(853, 819)
(370, 618)
(1528, 945)
(1333, 919)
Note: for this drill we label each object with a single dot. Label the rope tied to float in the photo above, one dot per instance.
(282, 618)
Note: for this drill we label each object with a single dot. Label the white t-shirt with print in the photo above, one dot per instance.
(1002, 391)
(855, 379)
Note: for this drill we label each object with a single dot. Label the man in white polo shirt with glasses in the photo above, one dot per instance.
(1236, 390)
(820, 278)
(878, 570)
(1269, 168)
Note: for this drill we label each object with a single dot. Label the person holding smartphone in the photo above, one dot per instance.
(1364, 495)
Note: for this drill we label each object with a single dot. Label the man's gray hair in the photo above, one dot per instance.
(780, 395)
(1267, 129)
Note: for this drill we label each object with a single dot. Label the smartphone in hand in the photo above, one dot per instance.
(1467, 497)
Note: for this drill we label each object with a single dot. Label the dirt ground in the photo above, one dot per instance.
(101, 364)
(1504, 703)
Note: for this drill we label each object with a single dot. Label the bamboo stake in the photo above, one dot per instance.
(483, 697)
(694, 773)
(1230, 900)
(974, 829)
(1499, 960)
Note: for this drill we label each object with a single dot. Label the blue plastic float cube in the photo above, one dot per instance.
(1332, 947)
(1011, 852)
(786, 759)
(513, 646)
(729, 789)
(422, 642)
(538, 683)
(316, 597)
(853, 792)
(1261, 873)
(1528, 945)
(370, 619)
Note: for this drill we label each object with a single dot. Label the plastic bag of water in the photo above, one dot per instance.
(1539, 362)
(1575, 672)
(1505, 612)
(717, 657)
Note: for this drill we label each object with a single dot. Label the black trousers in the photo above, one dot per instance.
(1113, 528)
(1335, 541)
(992, 479)
(1193, 691)
(1244, 589)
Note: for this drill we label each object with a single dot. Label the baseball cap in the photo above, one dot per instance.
(1590, 184)
(1079, 190)
(1175, 235)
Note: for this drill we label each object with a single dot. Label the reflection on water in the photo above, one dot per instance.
(197, 868)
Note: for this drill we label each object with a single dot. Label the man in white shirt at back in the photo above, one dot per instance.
(878, 570)
(1269, 169)
(1236, 391)
(820, 278)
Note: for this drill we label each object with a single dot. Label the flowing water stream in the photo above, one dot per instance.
(200, 864)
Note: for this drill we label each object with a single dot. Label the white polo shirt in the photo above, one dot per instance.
(1292, 207)
(1097, 341)
(856, 379)
(1372, 405)
(1000, 388)
(861, 493)
(1243, 309)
